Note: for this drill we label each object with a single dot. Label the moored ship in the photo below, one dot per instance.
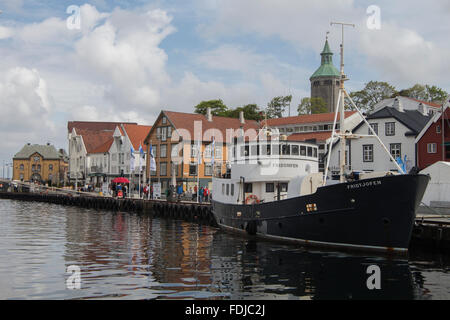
(273, 189)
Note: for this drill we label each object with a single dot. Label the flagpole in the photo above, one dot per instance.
(198, 169)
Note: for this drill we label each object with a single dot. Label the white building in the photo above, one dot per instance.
(101, 151)
(397, 128)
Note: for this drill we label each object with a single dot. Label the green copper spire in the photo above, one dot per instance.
(326, 68)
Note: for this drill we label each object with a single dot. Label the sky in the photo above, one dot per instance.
(122, 60)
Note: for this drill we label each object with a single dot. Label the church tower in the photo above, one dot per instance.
(325, 81)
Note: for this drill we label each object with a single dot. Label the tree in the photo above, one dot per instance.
(251, 112)
(425, 92)
(218, 108)
(373, 92)
(312, 106)
(277, 105)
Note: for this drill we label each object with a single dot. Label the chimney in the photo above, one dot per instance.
(241, 117)
(422, 109)
(208, 114)
(398, 105)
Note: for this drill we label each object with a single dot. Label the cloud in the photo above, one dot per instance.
(26, 106)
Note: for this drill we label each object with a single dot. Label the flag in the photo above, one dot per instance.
(141, 156)
(199, 152)
(152, 159)
(132, 158)
(213, 152)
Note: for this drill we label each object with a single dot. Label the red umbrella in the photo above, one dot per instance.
(121, 180)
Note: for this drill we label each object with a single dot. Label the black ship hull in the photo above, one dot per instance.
(371, 214)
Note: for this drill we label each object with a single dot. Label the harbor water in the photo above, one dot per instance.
(50, 251)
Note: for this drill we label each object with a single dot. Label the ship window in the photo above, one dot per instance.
(315, 152)
(255, 150)
(302, 150)
(283, 187)
(223, 188)
(228, 189)
(268, 149)
(294, 150)
(232, 189)
(310, 151)
(285, 149)
(248, 188)
(275, 149)
(270, 187)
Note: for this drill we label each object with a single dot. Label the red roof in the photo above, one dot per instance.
(103, 148)
(306, 118)
(319, 136)
(137, 134)
(93, 140)
(94, 125)
(181, 120)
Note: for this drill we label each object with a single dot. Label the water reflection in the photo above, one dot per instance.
(131, 256)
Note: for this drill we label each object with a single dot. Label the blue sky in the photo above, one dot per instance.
(130, 59)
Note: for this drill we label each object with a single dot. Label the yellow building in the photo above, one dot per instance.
(42, 163)
(175, 138)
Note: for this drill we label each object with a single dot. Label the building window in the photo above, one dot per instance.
(438, 129)
(193, 150)
(50, 167)
(208, 169)
(193, 169)
(431, 147)
(163, 133)
(163, 150)
(21, 167)
(390, 128)
(163, 169)
(368, 153)
(21, 177)
(164, 120)
(218, 152)
(270, 187)
(374, 127)
(396, 150)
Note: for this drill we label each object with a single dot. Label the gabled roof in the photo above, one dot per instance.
(412, 119)
(306, 118)
(103, 148)
(47, 152)
(433, 119)
(186, 121)
(137, 134)
(94, 139)
(94, 125)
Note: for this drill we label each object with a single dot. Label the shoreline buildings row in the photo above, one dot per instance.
(410, 129)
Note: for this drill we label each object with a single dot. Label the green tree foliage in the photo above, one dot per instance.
(277, 105)
(312, 106)
(251, 112)
(218, 108)
(425, 92)
(373, 92)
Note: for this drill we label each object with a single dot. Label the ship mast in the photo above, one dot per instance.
(343, 135)
(341, 103)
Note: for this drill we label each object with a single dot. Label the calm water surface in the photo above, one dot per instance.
(130, 256)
